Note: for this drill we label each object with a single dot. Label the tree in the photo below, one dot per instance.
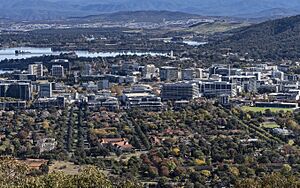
(286, 169)
(164, 171)
(92, 177)
(12, 172)
(153, 172)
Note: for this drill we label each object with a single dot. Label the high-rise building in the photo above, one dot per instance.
(36, 69)
(45, 90)
(149, 71)
(169, 74)
(16, 90)
(57, 71)
(180, 91)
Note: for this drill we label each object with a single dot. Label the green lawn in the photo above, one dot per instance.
(259, 109)
(270, 125)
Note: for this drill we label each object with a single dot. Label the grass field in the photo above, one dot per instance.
(259, 109)
(270, 125)
(216, 27)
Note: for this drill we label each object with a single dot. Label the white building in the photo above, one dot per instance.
(217, 88)
(36, 69)
(150, 71)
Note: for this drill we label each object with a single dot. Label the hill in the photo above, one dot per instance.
(274, 39)
(139, 16)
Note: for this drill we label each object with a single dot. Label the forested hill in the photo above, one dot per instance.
(274, 39)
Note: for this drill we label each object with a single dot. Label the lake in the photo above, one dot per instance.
(194, 43)
(9, 53)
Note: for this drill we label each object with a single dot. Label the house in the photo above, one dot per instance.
(34, 163)
(155, 140)
(118, 143)
(46, 144)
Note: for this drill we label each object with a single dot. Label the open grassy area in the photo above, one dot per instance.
(270, 125)
(66, 167)
(216, 27)
(259, 109)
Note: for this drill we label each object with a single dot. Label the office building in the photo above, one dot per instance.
(169, 74)
(199, 73)
(45, 90)
(13, 105)
(191, 73)
(63, 62)
(36, 69)
(245, 83)
(224, 100)
(146, 101)
(150, 71)
(44, 103)
(16, 90)
(57, 71)
(180, 91)
(278, 75)
(29, 77)
(224, 70)
(217, 88)
(188, 74)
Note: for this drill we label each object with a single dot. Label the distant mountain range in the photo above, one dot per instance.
(139, 16)
(59, 9)
(275, 39)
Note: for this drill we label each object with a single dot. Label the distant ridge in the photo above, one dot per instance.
(61, 9)
(139, 16)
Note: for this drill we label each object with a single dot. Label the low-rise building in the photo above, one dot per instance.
(276, 104)
(13, 105)
(145, 101)
(169, 73)
(46, 144)
(217, 88)
(121, 144)
(291, 95)
(43, 103)
(16, 90)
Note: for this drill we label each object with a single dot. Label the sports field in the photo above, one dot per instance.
(270, 125)
(260, 109)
